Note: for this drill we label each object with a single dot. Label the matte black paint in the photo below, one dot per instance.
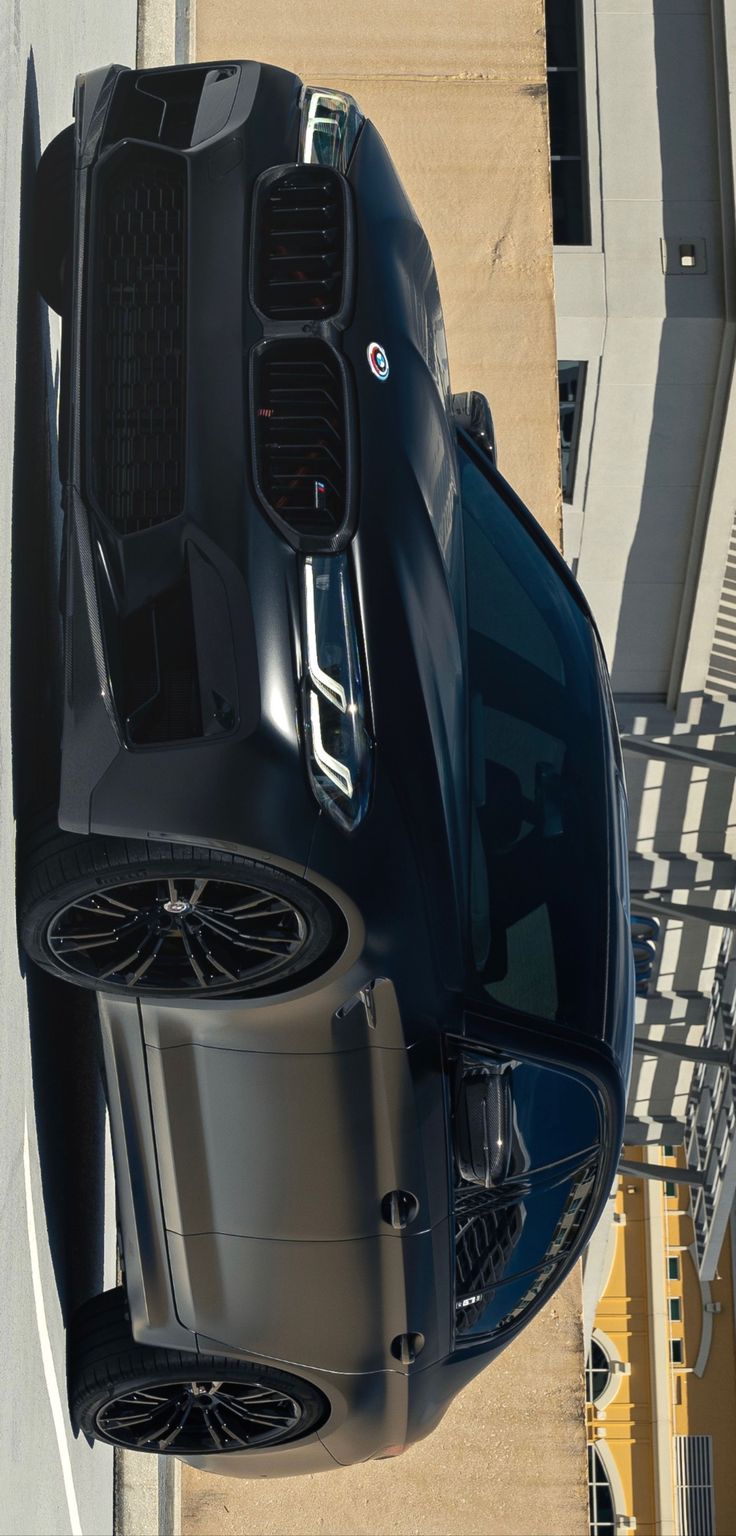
(255, 1142)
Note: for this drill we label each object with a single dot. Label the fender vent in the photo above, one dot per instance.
(300, 439)
(301, 244)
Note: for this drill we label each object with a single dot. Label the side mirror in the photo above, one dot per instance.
(472, 412)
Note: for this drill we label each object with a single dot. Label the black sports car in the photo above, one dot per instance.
(341, 830)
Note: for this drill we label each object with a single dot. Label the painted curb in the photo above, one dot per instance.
(146, 1495)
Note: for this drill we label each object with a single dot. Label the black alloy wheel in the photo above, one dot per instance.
(195, 1418)
(171, 1402)
(178, 935)
(127, 916)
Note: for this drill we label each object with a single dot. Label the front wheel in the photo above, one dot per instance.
(126, 916)
(172, 1403)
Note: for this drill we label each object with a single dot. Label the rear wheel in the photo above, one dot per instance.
(125, 915)
(173, 1403)
(54, 219)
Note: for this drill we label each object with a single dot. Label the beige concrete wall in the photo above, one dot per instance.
(459, 95)
(458, 92)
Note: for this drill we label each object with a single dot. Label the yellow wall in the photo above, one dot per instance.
(698, 1404)
(706, 1405)
(623, 1315)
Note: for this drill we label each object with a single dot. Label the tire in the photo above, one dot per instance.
(114, 914)
(54, 220)
(105, 1365)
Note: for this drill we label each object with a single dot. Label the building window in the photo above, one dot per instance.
(673, 1267)
(601, 1510)
(566, 91)
(670, 1189)
(675, 1309)
(668, 1151)
(677, 1356)
(597, 1372)
(571, 384)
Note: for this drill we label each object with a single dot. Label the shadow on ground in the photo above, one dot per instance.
(67, 1090)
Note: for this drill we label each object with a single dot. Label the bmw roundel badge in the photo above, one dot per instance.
(377, 360)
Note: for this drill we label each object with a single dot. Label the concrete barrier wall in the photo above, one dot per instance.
(459, 93)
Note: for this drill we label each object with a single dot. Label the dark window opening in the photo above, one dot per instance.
(571, 380)
(597, 1372)
(566, 92)
(676, 1351)
(673, 1268)
(601, 1507)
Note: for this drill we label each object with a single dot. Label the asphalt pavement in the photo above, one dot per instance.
(57, 1231)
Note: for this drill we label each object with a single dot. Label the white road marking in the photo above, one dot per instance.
(52, 1385)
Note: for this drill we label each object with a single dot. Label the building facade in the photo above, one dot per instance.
(641, 117)
(661, 1385)
(642, 173)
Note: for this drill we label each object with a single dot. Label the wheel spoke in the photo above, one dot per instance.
(111, 900)
(146, 965)
(245, 941)
(124, 1420)
(177, 1428)
(192, 960)
(71, 948)
(260, 901)
(221, 968)
(262, 940)
(274, 1420)
(199, 886)
(226, 1430)
(122, 965)
(211, 1428)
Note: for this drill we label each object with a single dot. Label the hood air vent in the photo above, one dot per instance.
(300, 250)
(301, 450)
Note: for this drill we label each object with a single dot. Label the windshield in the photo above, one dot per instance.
(540, 778)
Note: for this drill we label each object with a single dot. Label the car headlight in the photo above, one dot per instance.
(331, 122)
(339, 747)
